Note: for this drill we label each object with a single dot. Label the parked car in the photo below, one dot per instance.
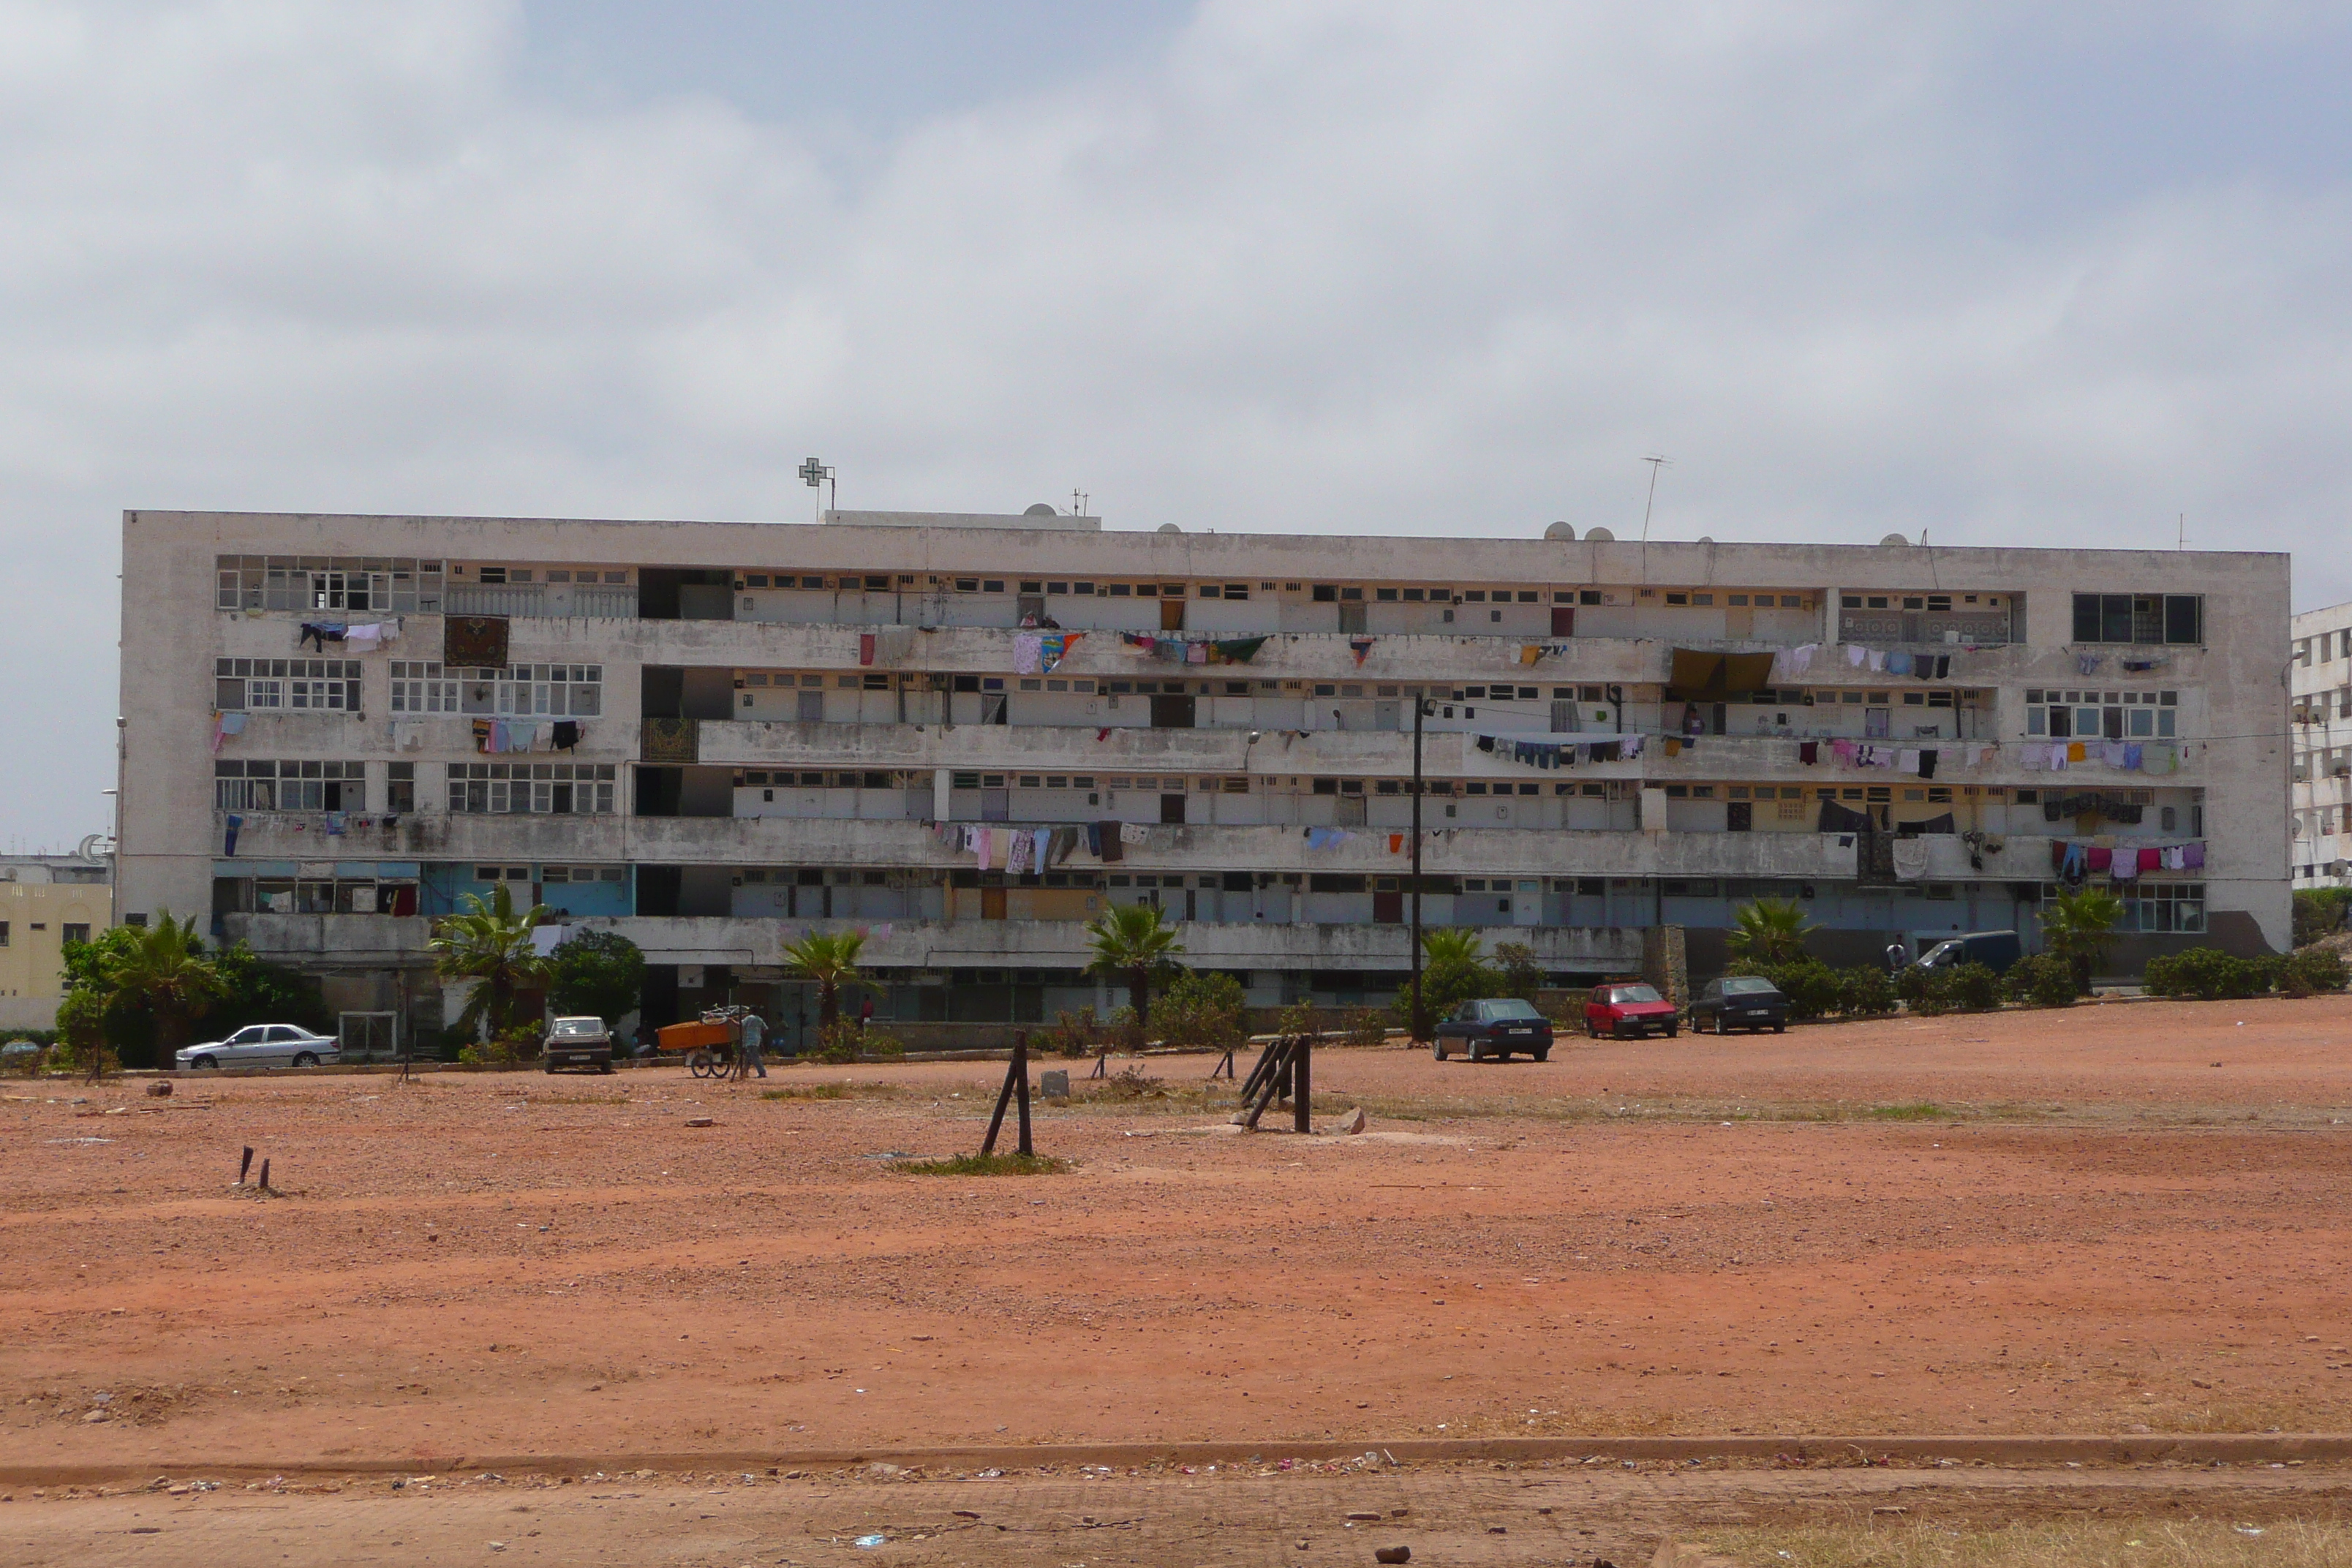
(577, 1043)
(1996, 950)
(263, 1046)
(1623, 1008)
(1747, 1002)
(1495, 1027)
(21, 1055)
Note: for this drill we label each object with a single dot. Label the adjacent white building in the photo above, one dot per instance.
(967, 734)
(2320, 680)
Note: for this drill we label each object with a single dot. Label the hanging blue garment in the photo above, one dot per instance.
(1898, 664)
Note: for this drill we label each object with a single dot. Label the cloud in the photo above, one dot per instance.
(1309, 267)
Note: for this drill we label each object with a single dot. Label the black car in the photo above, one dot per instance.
(1747, 1002)
(1495, 1027)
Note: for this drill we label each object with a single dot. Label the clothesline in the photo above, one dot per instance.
(361, 636)
(502, 735)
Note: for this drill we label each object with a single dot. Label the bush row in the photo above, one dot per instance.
(2210, 974)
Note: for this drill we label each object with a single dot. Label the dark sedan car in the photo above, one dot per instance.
(1747, 1002)
(1494, 1027)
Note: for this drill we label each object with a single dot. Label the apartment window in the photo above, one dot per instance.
(419, 686)
(2140, 617)
(3, 933)
(2101, 715)
(383, 586)
(290, 787)
(2164, 907)
(286, 684)
(551, 690)
(73, 930)
(400, 787)
(538, 788)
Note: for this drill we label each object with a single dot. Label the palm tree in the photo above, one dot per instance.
(492, 945)
(829, 962)
(1453, 947)
(1769, 931)
(1131, 940)
(164, 969)
(2078, 927)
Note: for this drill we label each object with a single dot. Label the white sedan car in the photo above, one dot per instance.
(263, 1046)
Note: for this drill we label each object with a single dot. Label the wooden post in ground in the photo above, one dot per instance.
(1020, 1086)
(1301, 1073)
(1017, 1067)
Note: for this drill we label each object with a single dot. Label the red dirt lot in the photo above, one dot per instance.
(2127, 1217)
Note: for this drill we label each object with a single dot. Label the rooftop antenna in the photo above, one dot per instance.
(1655, 462)
(2181, 542)
(1078, 499)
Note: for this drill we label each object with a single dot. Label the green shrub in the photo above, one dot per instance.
(1970, 987)
(1202, 1011)
(2209, 974)
(1367, 1028)
(1961, 988)
(2044, 979)
(1811, 985)
(1865, 992)
(2313, 971)
(1071, 1037)
(2319, 911)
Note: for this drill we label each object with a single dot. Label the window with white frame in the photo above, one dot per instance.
(558, 788)
(418, 685)
(267, 685)
(364, 585)
(2101, 715)
(532, 690)
(290, 787)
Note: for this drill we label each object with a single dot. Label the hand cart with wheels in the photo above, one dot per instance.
(709, 1045)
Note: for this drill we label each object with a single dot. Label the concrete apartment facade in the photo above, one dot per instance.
(715, 737)
(2320, 706)
(46, 901)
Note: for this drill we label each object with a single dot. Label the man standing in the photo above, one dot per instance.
(748, 1060)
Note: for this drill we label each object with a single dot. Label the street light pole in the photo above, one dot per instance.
(1419, 702)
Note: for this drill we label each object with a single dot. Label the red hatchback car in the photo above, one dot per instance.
(1623, 1008)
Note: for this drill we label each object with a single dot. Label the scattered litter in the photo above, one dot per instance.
(869, 1540)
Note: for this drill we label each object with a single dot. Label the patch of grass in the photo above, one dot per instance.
(1922, 1111)
(987, 1166)
(2057, 1543)
(834, 1092)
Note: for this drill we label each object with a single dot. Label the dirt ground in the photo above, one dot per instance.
(1252, 1513)
(2120, 1218)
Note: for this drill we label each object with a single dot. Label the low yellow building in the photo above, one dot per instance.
(45, 902)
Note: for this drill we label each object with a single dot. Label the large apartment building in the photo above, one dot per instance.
(968, 734)
(2320, 680)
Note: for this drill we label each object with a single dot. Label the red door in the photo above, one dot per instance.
(1563, 620)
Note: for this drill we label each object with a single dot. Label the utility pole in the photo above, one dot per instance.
(1419, 704)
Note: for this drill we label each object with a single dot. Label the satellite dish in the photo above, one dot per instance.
(1706, 538)
(1892, 540)
(1560, 531)
(1042, 509)
(94, 847)
(1599, 536)
(1168, 527)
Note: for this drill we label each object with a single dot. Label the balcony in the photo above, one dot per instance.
(330, 940)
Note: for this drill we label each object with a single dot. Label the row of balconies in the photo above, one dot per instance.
(773, 841)
(1466, 654)
(1118, 747)
(330, 940)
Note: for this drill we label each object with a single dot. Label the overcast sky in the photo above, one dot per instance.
(2004, 273)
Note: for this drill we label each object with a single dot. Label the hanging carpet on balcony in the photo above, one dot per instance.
(474, 642)
(1710, 677)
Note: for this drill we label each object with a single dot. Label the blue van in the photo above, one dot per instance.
(1996, 950)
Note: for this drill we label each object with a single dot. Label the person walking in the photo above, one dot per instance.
(748, 1060)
